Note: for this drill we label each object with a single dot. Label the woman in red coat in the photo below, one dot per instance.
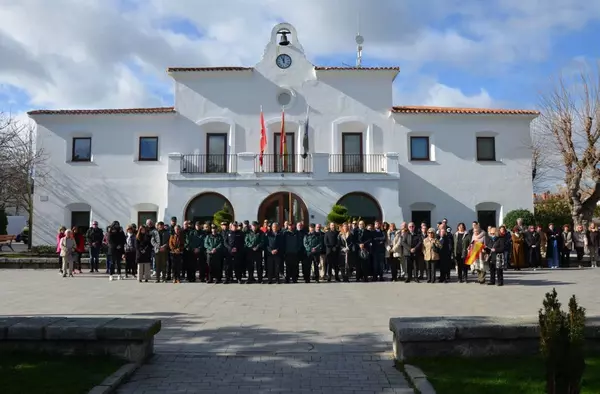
(79, 247)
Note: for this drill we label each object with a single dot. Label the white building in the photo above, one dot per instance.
(393, 163)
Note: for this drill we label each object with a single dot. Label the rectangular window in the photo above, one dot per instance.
(80, 219)
(418, 217)
(148, 149)
(82, 149)
(352, 152)
(486, 219)
(216, 153)
(142, 217)
(284, 163)
(419, 148)
(486, 149)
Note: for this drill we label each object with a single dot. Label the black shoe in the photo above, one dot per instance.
(406, 280)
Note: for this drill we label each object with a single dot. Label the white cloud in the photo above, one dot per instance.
(78, 53)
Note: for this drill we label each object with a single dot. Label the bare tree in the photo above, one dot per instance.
(570, 123)
(541, 165)
(21, 163)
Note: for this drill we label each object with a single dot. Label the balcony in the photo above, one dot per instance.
(357, 163)
(208, 164)
(274, 164)
(247, 165)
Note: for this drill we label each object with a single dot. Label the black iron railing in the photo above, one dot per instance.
(274, 163)
(208, 164)
(356, 163)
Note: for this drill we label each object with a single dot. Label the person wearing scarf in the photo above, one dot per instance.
(480, 265)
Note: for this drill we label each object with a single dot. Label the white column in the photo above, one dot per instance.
(369, 148)
(299, 148)
(320, 165)
(392, 163)
(334, 139)
(245, 162)
(232, 153)
(174, 164)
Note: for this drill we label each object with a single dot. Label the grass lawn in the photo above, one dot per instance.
(497, 375)
(24, 373)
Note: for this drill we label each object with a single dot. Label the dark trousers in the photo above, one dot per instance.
(313, 260)
(202, 266)
(580, 252)
(345, 264)
(362, 268)
(534, 258)
(444, 268)
(115, 261)
(332, 265)
(254, 259)
(565, 258)
(237, 263)
(228, 263)
(378, 263)
(215, 267)
(177, 263)
(94, 258)
(410, 267)
(496, 273)
(420, 266)
(461, 268)
(169, 265)
(190, 264)
(78, 261)
(394, 264)
(273, 263)
(306, 264)
(431, 266)
(130, 266)
(291, 267)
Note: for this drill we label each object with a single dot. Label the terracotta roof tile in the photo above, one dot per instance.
(322, 68)
(415, 109)
(193, 69)
(112, 111)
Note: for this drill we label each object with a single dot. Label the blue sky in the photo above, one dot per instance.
(451, 52)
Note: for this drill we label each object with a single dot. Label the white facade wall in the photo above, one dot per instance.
(115, 186)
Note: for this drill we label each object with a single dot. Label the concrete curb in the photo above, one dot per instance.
(418, 379)
(111, 383)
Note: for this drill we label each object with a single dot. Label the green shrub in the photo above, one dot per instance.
(224, 215)
(338, 214)
(510, 219)
(561, 344)
(43, 250)
(553, 210)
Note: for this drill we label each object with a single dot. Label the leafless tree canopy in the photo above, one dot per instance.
(570, 129)
(19, 161)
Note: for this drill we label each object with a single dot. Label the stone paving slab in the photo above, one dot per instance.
(230, 325)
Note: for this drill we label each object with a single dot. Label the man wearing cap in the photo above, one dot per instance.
(94, 237)
(235, 248)
(275, 252)
(313, 245)
(254, 243)
(213, 243)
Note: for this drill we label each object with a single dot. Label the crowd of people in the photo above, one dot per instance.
(248, 252)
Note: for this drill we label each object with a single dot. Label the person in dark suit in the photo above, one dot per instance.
(275, 253)
(412, 243)
(332, 251)
(363, 240)
(446, 253)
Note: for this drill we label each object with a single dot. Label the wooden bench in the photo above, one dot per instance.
(6, 240)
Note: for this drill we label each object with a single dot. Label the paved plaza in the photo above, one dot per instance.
(319, 338)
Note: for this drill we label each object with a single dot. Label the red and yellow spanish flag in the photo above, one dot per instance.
(474, 253)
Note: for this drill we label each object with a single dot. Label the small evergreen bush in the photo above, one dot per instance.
(338, 214)
(224, 215)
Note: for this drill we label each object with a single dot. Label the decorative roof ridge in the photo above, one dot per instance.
(104, 111)
(424, 109)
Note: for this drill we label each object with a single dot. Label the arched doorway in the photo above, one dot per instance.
(202, 208)
(276, 208)
(361, 205)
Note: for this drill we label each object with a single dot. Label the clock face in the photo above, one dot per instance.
(283, 61)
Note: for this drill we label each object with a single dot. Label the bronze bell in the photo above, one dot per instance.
(284, 40)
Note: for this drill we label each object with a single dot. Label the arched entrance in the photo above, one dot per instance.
(361, 205)
(276, 208)
(202, 208)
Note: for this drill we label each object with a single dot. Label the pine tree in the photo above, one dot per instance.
(224, 215)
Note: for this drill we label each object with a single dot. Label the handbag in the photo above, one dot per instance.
(363, 254)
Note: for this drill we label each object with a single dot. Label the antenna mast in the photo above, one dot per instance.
(359, 41)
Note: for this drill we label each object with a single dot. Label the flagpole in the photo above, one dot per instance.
(290, 207)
